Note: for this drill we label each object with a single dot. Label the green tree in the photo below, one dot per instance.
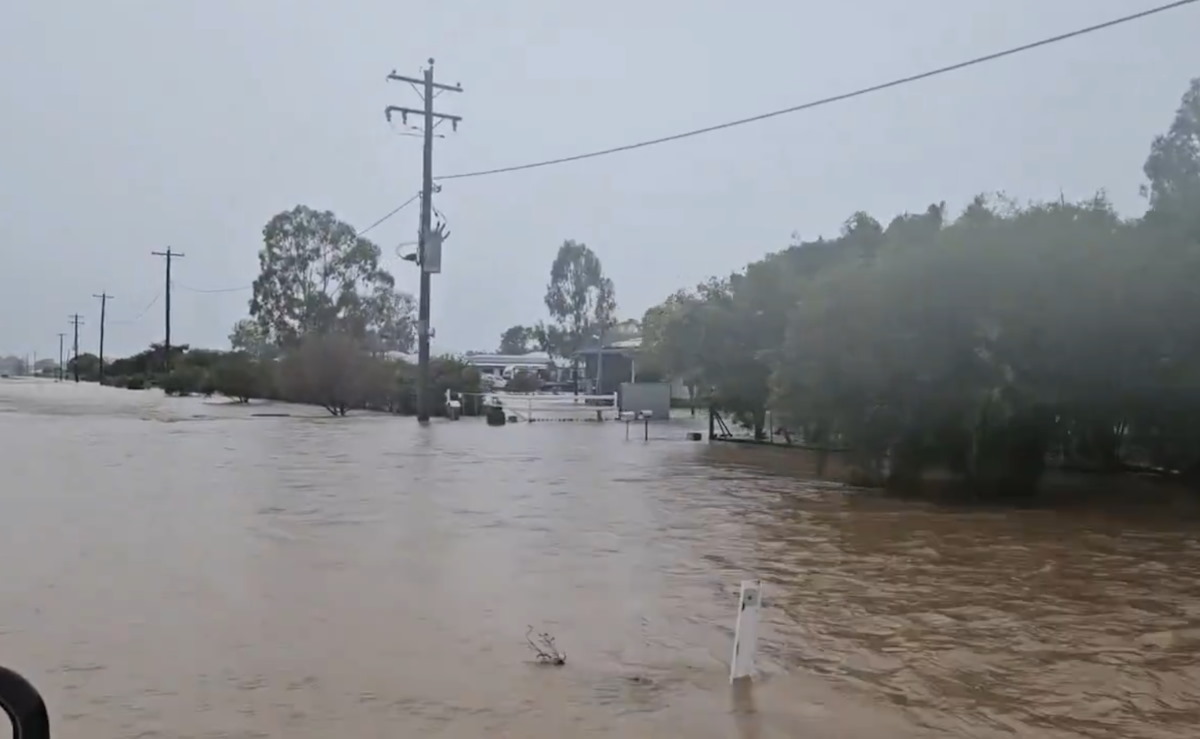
(516, 340)
(387, 320)
(248, 337)
(581, 301)
(1173, 166)
(87, 363)
(239, 376)
(673, 340)
(317, 276)
(330, 370)
(989, 345)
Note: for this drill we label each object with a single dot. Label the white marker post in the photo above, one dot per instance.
(745, 633)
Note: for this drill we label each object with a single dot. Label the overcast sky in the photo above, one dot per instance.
(133, 125)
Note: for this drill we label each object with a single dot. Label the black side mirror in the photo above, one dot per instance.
(24, 706)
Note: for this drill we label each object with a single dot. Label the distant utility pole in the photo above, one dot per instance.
(75, 321)
(60, 355)
(167, 342)
(429, 251)
(104, 298)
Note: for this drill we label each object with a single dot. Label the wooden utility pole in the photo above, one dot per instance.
(104, 298)
(75, 321)
(429, 241)
(61, 334)
(167, 341)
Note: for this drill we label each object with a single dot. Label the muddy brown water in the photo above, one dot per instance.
(174, 568)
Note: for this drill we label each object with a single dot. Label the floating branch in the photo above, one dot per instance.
(544, 647)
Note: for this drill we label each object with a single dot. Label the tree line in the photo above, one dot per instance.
(326, 326)
(992, 343)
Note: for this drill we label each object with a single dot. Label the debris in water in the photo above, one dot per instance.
(545, 649)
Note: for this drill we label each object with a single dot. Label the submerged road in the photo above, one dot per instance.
(175, 568)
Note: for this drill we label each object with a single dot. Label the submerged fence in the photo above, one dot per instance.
(548, 407)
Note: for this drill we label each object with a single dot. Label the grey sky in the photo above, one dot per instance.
(132, 125)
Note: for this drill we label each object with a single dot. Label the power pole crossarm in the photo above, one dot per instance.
(426, 246)
(456, 87)
(405, 112)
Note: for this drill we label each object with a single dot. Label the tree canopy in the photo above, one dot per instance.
(580, 299)
(988, 344)
(517, 339)
(318, 276)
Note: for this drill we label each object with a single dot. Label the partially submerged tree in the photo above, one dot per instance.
(329, 370)
(237, 375)
(985, 345)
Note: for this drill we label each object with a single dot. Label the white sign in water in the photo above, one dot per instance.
(745, 632)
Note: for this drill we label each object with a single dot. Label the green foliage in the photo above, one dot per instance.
(524, 382)
(335, 371)
(239, 376)
(1173, 167)
(87, 364)
(248, 337)
(517, 340)
(987, 345)
(183, 379)
(329, 370)
(142, 364)
(445, 373)
(317, 276)
(580, 299)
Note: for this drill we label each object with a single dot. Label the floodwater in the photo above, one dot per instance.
(174, 568)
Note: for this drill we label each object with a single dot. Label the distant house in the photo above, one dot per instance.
(498, 369)
(617, 362)
(602, 368)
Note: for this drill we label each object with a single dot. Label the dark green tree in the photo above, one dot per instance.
(318, 276)
(517, 339)
(1173, 167)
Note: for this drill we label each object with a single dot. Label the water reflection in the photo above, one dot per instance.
(203, 573)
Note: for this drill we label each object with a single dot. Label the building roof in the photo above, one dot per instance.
(539, 359)
(623, 346)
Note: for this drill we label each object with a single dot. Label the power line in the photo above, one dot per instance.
(828, 100)
(151, 304)
(393, 212)
(251, 287)
(239, 288)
